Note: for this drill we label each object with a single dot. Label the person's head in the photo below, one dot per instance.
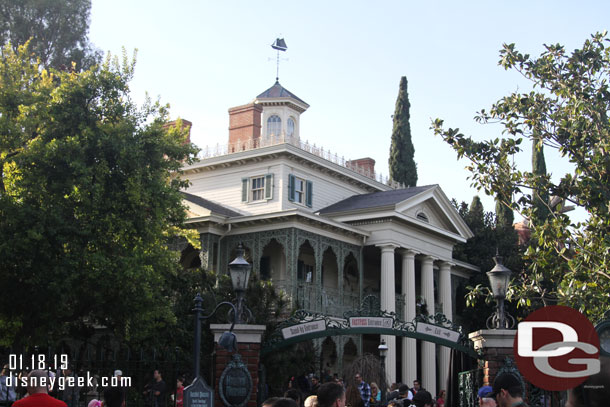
(157, 375)
(113, 397)
(315, 380)
(118, 373)
(507, 389)
(417, 384)
(293, 394)
(95, 403)
(311, 401)
(331, 395)
(270, 401)
(180, 381)
(37, 382)
(358, 378)
(285, 402)
(394, 386)
(5, 370)
(484, 397)
(403, 391)
(374, 388)
(422, 399)
(442, 394)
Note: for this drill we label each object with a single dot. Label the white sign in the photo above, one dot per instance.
(303, 329)
(446, 334)
(370, 322)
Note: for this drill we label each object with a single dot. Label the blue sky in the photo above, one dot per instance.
(345, 58)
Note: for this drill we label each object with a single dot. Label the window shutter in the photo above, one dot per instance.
(291, 188)
(309, 194)
(268, 186)
(244, 189)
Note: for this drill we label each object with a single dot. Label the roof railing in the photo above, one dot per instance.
(282, 138)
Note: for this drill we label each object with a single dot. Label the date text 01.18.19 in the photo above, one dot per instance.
(19, 362)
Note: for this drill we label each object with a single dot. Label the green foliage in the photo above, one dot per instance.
(403, 168)
(86, 200)
(567, 110)
(57, 29)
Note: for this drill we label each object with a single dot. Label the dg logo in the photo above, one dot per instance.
(556, 348)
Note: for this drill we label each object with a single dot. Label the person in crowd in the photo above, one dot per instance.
(484, 399)
(156, 390)
(311, 401)
(405, 395)
(38, 392)
(8, 395)
(180, 391)
(95, 403)
(295, 395)
(71, 394)
(315, 385)
(270, 401)
(393, 393)
(353, 398)
(507, 390)
(440, 400)
(375, 394)
(365, 389)
(422, 399)
(285, 402)
(331, 395)
(416, 386)
(113, 397)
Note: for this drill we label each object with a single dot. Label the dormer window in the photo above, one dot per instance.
(422, 216)
(290, 127)
(274, 125)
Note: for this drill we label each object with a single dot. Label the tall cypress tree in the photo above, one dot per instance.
(541, 195)
(402, 165)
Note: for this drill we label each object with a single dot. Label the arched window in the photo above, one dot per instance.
(290, 127)
(274, 125)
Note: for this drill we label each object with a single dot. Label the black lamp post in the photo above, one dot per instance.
(383, 351)
(239, 269)
(499, 277)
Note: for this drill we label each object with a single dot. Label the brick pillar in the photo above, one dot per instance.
(249, 338)
(496, 345)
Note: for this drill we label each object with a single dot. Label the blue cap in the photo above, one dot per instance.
(485, 391)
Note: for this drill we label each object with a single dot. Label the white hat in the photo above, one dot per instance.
(118, 373)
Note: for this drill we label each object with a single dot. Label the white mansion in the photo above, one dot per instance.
(328, 232)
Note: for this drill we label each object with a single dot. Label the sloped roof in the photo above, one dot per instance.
(212, 206)
(278, 91)
(375, 199)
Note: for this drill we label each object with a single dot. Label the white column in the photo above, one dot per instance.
(428, 359)
(447, 300)
(388, 303)
(409, 345)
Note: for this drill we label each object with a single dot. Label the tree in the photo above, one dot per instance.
(567, 110)
(402, 165)
(57, 28)
(86, 203)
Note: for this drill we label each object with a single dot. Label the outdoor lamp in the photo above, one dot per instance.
(499, 277)
(239, 269)
(383, 349)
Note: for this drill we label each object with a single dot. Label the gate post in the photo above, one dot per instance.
(249, 338)
(496, 345)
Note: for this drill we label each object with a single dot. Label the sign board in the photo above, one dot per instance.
(433, 330)
(371, 322)
(235, 385)
(198, 394)
(303, 329)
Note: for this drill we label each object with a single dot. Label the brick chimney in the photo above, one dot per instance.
(185, 123)
(245, 125)
(367, 164)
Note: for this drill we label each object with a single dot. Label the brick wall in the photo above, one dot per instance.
(250, 355)
(494, 359)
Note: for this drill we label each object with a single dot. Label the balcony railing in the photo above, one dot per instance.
(329, 301)
(319, 151)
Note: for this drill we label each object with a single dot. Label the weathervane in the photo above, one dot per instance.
(279, 45)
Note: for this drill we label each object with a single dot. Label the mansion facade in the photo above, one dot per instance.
(328, 232)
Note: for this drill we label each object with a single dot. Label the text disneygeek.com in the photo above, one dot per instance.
(62, 382)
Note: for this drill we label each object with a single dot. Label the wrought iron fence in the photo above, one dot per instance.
(469, 383)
